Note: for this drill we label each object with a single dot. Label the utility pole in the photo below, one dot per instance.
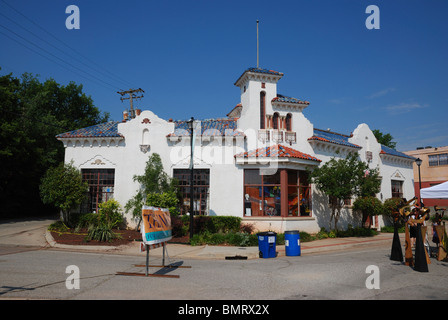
(132, 96)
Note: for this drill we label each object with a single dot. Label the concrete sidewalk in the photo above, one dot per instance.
(33, 233)
(183, 251)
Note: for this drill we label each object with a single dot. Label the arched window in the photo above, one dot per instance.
(288, 122)
(275, 120)
(262, 109)
(145, 137)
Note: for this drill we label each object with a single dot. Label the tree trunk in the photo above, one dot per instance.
(65, 216)
(336, 218)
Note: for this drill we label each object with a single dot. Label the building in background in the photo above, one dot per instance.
(433, 170)
(252, 164)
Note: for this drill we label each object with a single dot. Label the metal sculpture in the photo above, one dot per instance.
(439, 233)
(420, 214)
(399, 215)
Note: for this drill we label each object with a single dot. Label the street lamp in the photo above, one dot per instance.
(191, 127)
(419, 161)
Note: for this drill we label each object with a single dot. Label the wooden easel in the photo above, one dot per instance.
(154, 220)
(147, 265)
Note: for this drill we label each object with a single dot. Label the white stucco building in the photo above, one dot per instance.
(251, 163)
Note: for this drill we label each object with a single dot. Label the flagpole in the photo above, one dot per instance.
(257, 47)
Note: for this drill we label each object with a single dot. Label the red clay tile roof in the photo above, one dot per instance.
(277, 150)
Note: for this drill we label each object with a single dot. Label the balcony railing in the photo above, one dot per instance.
(290, 137)
(276, 136)
(263, 135)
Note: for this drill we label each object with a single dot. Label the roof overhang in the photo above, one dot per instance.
(259, 74)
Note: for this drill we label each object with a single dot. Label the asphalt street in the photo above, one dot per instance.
(31, 273)
(42, 272)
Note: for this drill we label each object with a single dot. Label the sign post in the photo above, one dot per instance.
(156, 231)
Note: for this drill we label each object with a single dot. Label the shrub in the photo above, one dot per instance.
(199, 239)
(62, 186)
(166, 199)
(368, 206)
(356, 232)
(247, 228)
(58, 226)
(85, 219)
(102, 232)
(390, 229)
(179, 229)
(239, 239)
(305, 237)
(214, 224)
(391, 205)
(109, 213)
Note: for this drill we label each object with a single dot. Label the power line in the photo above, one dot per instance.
(51, 54)
(72, 49)
(65, 53)
(44, 56)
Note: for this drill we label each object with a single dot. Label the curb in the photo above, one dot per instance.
(50, 240)
(223, 252)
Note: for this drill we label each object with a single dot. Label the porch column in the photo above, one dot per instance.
(284, 192)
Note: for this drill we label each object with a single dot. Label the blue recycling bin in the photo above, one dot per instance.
(292, 243)
(266, 244)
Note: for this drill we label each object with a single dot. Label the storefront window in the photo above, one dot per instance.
(101, 188)
(201, 182)
(299, 200)
(304, 194)
(263, 193)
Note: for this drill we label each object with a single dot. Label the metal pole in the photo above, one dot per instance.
(419, 186)
(419, 180)
(257, 46)
(191, 180)
(147, 258)
(163, 258)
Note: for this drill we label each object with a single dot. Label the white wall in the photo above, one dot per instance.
(217, 154)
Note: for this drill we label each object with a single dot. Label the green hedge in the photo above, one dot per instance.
(220, 230)
(212, 224)
(240, 239)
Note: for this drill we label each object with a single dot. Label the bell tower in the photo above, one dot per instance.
(258, 87)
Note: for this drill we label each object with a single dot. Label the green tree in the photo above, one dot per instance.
(156, 188)
(341, 179)
(368, 206)
(167, 199)
(32, 113)
(384, 139)
(155, 179)
(62, 186)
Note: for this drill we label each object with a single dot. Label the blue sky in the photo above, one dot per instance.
(187, 55)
